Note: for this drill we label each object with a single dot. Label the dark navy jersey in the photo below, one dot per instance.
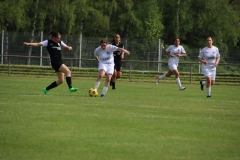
(54, 50)
(117, 54)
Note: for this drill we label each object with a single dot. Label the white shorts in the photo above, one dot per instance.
(209, 71)
(172, 66)
(108, 68)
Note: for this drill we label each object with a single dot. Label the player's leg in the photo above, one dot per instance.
(109, 73)
(113, 79)
(206, 73)
(101, 72)
(168, 74)
(54, 84)
(177, 76)
(208, 86)
(209, 75)
(117, 74)
(64, 69)
(105, 87)
(171, 66)
(210, 81)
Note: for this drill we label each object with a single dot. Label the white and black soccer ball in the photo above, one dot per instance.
(93, 92)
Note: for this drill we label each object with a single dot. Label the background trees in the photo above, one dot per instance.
(191, 20)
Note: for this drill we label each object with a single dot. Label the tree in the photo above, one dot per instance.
(12, 17)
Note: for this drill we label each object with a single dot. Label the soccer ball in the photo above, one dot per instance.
(93, 92)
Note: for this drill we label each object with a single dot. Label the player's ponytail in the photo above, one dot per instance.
(53, 33)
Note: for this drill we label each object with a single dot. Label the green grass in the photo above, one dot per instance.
(138, 120)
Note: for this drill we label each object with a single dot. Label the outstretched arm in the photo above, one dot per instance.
(69, 48)
(123, 50)
(32, 44)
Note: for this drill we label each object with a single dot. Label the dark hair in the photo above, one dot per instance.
(103, 41)
(176, 38)
(209, 37)
(53, 33)
(117, 35)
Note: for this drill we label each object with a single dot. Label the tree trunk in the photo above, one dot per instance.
(32, 35)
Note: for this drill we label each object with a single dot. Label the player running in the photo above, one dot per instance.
(54, 47)
(104, 56)
(174, 52)
(118, 57)
(209, 57)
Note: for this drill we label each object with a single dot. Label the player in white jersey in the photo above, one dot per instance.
(104, 56)
(209, 57)
(174, 52)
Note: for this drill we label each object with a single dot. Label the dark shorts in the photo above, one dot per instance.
(118, 66)
(56, 66)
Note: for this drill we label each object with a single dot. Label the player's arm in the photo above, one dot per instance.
(122, 56)
(32, 44)
(182, 55)
(123, 50)
(168, 54)
(217, 61)
(97, 59)
(201, 60)
(69, 48)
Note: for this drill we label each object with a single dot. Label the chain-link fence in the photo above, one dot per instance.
(145, 54)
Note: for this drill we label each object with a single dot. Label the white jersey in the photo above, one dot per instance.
(209, 55)
(175, 50)
(105, 56)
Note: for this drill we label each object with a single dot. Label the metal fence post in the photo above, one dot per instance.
(2, 46)
(41, 49)
(8, 65)
(190, 73)
(130, 72)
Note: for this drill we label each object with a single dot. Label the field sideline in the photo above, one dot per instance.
(138, 120)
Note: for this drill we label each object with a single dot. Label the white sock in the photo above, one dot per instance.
(204, 82)
(162, 76)
(104, 90)
(97, 84)
(178, 82)
(208, 91)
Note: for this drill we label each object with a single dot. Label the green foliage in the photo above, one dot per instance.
(191, 20)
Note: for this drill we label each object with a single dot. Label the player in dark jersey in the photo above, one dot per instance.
(118, 57)
(54, 46)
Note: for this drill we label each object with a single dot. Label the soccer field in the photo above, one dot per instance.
(136, 121)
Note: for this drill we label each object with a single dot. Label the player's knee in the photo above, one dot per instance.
(60, 81)
(100, 75)
(69, 73)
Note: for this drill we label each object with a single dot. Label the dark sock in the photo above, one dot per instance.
(113, 84)
(51, 86)
(69, 82)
